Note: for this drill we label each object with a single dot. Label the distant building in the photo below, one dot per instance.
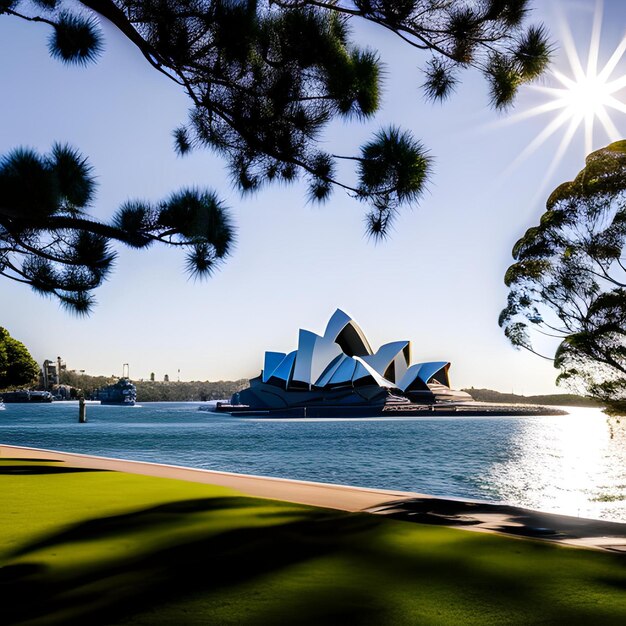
(51, 372)
(339, 372)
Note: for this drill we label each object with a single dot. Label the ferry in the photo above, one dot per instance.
(121, 393)
(25, 395)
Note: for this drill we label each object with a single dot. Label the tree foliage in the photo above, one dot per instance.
(187, 391)
(266, 77)
(17, 366)
(569, 278)
(48, 241)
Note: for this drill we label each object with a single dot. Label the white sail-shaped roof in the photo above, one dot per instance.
(429, 370)
(285, 368)
(272, 361)
(343, 330)
(343, 374)
(422, 371)
(364, 370)
(329, 372)
(314, 355)
(396, 353)
(343, 357)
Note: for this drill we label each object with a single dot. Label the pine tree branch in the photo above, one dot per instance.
(45, 255)
(116, 16)
(15, 278)
(55, 223)
(28, 18)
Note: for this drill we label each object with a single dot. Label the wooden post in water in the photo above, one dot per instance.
(82, 409)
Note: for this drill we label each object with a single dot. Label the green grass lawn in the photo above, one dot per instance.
(95, 547)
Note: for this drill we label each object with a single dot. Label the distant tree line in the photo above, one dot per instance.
(188, 391)
(87, 384)
(158, 391)
(556, 399)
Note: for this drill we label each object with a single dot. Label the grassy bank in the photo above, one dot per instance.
(105, 547)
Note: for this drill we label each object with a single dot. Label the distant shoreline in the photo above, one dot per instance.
(556, 399)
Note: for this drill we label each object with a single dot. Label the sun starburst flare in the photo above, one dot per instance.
(580, 97)
(585, 95)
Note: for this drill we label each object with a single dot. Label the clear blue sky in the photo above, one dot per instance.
(437, 282)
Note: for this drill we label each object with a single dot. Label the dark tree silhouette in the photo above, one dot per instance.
(49, 242)
(266, 77)
(569, 278)
(17, 366)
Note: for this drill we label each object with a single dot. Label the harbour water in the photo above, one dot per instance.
(573, 464)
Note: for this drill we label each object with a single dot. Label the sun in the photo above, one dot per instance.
(579, 97)
(586, 95)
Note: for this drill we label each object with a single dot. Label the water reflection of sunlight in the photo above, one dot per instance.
(574, 465)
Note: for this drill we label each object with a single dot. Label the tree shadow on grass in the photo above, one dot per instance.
(28, 460)
(225, 555)
(169, 514)
(119, 584)
(514, 520)
(36, 470)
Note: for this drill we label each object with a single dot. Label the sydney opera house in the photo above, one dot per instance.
(338, 374)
